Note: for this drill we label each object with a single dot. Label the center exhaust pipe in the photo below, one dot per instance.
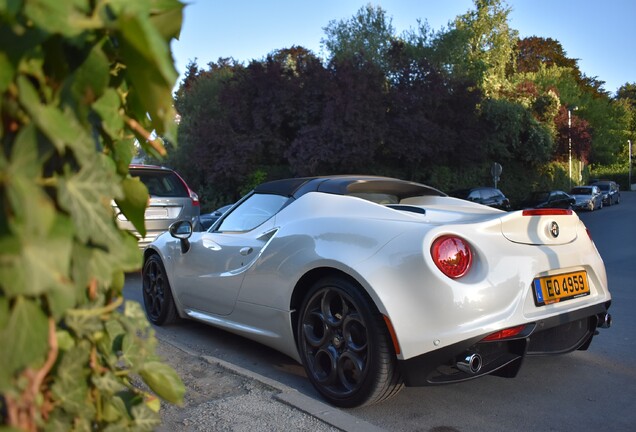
(471, 364)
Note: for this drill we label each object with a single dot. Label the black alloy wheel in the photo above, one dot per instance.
(158, 301)
(345, 346)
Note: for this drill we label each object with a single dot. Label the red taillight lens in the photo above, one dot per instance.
(194, 197)
(547, 212)
(452, 255)
(505, 333)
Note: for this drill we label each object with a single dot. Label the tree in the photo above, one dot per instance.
(628, 92)
(573, 131)
(352, 125)
(367, 35)
(79, 83)
(534, 52)
(491, 44)
(514, 134)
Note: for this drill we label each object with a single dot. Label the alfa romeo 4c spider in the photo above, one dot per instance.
(374, 283)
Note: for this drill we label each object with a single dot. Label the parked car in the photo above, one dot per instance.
(484, 195)
(611, 192)
(207, 219)
(548, 199)
(170, 200)
(373, 283)
(587, 198)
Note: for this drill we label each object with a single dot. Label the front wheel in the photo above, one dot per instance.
(158, 301)
(345, 346)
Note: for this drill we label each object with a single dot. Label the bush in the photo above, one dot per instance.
(80, 81)
(617, 172)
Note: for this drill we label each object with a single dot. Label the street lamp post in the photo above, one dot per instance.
(570, 142)
(570, 146)
(630, 164)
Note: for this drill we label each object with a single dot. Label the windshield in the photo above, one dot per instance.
(539, 196)
(582, 191)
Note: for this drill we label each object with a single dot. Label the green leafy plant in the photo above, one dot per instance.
(80, 82)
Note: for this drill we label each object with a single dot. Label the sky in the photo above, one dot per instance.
(599, 33)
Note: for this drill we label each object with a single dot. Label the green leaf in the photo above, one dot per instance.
(58, 16)
(108, 384)
(113, 409)
(145, 419)
(150, 69)
(32, 211)
(134, 203)
(123, 254)
(61, 127)
(24, 339)
(17, 43)
(86, 195)
(124, 152)
(7, 71)
(60, 300)
(64, 340)
(84, 322)
(71, 387)
(90, 79)
(164, 381)
(41, 263)
(108, 107)
(129, 350)
(167, 17)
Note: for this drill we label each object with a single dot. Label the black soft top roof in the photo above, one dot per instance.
(347, 185)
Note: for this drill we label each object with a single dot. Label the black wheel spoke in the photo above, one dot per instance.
(351, 368)
(355, 333)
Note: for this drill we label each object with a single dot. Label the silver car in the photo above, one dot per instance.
(170, 200)
(587, 198)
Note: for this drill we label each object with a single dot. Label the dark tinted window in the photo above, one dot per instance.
(252, 212)
(582, 191)
(475, 195)
(539, 196)
(161, 183)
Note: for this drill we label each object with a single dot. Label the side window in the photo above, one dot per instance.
(252, 212)
(474, 196)
(489, 194)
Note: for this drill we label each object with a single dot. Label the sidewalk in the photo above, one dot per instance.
(224, 397)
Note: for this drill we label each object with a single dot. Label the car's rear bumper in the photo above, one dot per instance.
(555, 335)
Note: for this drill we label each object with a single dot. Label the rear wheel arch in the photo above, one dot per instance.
(307, 281)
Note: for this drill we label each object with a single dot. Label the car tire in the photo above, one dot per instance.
(345, 345)
(157, 294)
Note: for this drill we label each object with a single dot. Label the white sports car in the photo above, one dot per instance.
(374, 283)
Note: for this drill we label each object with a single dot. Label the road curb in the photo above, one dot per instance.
(326, 413)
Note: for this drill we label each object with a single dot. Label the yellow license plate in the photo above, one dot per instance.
(556, 288)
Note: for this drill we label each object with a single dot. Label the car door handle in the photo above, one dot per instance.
(246, 251)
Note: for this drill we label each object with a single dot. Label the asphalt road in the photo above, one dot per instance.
(583, 391)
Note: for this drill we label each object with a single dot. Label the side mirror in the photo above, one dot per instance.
(182, 230)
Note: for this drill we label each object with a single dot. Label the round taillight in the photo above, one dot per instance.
(452, 255)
